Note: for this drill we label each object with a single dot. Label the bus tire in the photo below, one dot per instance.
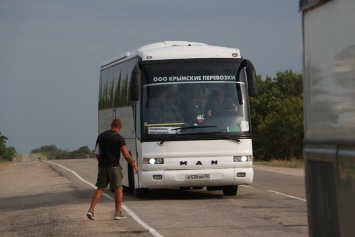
(130, 178)
(140, 192)
(137, 192)
(230, 190)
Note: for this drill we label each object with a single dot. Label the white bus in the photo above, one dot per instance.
(329, 105)
(179, 133)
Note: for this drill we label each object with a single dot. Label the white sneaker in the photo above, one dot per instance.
(119, 216)
(90, 215)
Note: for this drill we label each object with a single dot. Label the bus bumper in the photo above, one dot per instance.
(196, 178)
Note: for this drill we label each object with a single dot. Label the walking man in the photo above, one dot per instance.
(109, 145)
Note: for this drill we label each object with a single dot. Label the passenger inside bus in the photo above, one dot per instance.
(218, 102)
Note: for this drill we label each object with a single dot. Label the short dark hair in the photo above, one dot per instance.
(116, 123)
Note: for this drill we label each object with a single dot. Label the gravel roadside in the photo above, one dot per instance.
(281, 170)
(36, 200)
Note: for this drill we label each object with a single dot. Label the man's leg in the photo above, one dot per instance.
(101, 184)
(118, 199)
(95, 198)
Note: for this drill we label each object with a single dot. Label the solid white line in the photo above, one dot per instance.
(127, 209)
(301, 199)
(246, 186)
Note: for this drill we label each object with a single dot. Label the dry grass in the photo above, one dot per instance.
(42, 157)
(17, 158)
(293, 163)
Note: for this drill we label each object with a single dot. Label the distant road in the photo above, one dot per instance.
(28, 157)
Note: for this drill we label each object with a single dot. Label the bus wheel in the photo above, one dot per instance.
(140, 192)
(137, 192)
(130, 178)
(230, 190)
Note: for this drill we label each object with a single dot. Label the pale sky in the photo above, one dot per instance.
(51, 52)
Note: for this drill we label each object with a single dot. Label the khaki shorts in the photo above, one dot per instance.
(108, 175)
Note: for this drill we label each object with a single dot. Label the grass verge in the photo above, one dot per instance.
(293, 163)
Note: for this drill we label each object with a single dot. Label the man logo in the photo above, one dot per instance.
(213, 162)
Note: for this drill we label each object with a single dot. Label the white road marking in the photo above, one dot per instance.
(246, 186)
(286, 195)
(283, 194)
(129, 211)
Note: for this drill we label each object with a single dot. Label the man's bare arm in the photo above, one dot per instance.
(129, 158)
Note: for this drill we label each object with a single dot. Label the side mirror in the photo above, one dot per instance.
(135, 85)
(251, 77)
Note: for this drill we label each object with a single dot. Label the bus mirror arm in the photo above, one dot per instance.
(135, 85)
(251, 76)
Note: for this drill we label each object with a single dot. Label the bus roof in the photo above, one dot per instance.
(176, 50)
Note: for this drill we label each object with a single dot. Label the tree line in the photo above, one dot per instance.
(277, 122)
(277, 117)
(53, 153)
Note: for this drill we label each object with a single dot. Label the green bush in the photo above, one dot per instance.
(6, 153)
(277, 117)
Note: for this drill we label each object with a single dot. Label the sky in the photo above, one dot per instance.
(51, 52)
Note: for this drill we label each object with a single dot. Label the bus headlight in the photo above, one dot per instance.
(153, 161)
(242, 158)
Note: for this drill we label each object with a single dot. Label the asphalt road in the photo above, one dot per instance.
(58, 195)
(273, 205)
(28, 157)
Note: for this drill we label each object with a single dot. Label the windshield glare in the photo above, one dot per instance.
(211, 101)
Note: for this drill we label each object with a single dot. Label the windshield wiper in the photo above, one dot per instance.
(217, 134)
(181, 130)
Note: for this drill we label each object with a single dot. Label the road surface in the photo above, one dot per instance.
(274, 205)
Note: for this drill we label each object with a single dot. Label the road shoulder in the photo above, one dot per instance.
(281, 170)
(39, 201)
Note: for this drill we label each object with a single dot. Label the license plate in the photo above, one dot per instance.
(198, 177)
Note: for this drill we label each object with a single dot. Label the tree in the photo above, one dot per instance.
(82, 152)
(277, 117)
(6, 153)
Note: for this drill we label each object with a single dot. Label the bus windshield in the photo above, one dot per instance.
(206, 96)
